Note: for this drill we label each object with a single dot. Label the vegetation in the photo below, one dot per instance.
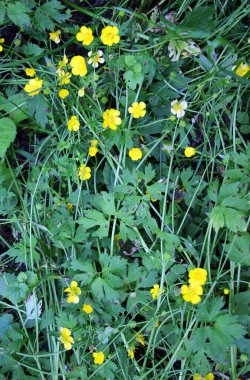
(124, 195)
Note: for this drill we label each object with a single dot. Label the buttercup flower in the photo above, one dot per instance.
(69, 206)
(110, 35)
(177, 108)
(64, 78)
(34, 86)
(137, 109)
(85, 36)
(55, 36)
(81, 92)
(140, 339)
(94, 142)
(242, 70)
(192, 293)
(111, 119)
(30, 72)
(135, 154)
(74, 292)
(226, 291)
(209, 376)
(2, 40)
(197, 276)
(78, 66)
(84, 172)
(93, 151)
(63, 93)
(87, 308)
(63, 63)
(98, 357)
(66, 338)
(131, 352)
(95, 58)
(155, 291)
(189, 151)
(73, 124)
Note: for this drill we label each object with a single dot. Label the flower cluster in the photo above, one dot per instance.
(74, 291)
(93, 150)
(192, 292)
(109, 35)
(73, 124)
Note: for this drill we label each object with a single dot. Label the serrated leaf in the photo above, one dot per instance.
(7, 134)
(101, 290)
(239, 251)
(94, 218)
(32, 49)
(18, 13)
(207, 312)
(37, 107)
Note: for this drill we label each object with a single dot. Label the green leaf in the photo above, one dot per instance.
(2, 12)
(207, 312)
(18, 13)
(222, 216)
(7, 134)
(6, 321)
(239, 250)
(37, 107)
(133, 78)
(11, 289)
(193, 26)
(32, 49)
(101, 289)
(14, 106)
(94, 218)
(46, 14)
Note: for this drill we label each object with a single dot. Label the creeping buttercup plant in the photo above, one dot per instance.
(124, 190)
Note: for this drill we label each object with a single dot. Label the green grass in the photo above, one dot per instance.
(197, 214)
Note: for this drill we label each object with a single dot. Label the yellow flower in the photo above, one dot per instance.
(34, 86)
(63, 93)
(177, 108)
(209, 376)
(94, 142)
(111, 119)
(197, 276)
(137, 110)
(30, 72)
(73, 124)
(74, 292)
(98, 357)
(55, 36)
(135, 154)
(81, 92)
(85, 36)
(226, 291)
(243, 69)
(69, 206)
(140, 339)
(93, 151)
(66, 338)
(84, 172)
(64, 78)
(189, 151)
(110, 35)
(95, 58)
(155, 291)
(192, 293)
(87, 308)
(63, 62)
(78, 66)
(2, 40)
(131, 352)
